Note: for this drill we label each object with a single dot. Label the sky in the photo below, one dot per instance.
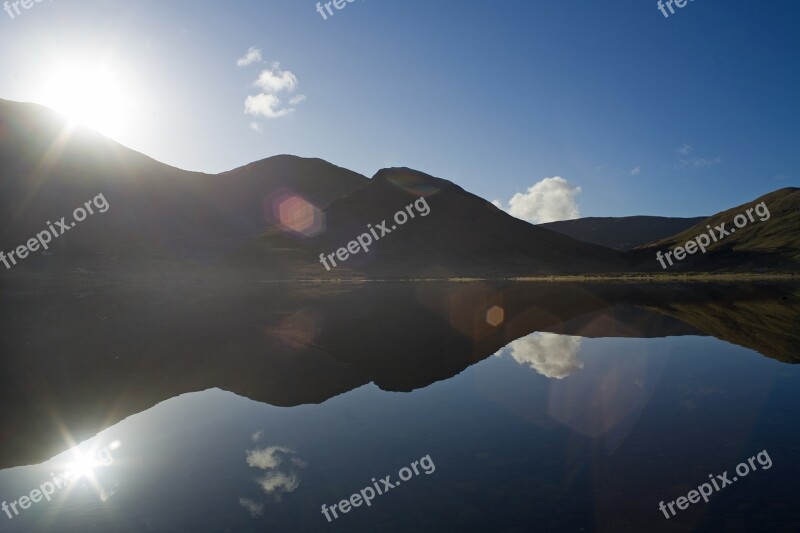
(552, 109)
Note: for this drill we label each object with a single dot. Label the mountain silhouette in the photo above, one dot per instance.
(156, 212)
(273, 218)
(621, 233)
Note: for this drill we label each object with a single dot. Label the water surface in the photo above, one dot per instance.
(552, 407)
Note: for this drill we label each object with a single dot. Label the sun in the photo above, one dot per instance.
(89, 94)
(82, 466)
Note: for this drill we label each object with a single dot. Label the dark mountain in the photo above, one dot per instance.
(771, 241)
(463, 234)
(453, 233)
(268, 219)
(272, 219)
(156, 212)
(621, 233)
(317, 180)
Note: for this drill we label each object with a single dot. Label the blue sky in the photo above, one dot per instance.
(679, 116)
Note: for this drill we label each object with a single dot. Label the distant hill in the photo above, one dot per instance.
(773, 244)
(621, 233)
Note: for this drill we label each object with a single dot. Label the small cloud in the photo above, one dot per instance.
(260, 433)
(693, 163)
(268, 103)
(255, 126)
(697, 163)
(253, 55)
(551, 355)
(275, 80)
(255, 509)
(265, 105)
(549, 200)
(636, 171)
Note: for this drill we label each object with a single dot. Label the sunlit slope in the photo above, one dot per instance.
(772, 244)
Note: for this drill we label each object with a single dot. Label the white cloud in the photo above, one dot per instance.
(692, 163)
(546, 201)
(636, 171)
(265, 105)
(551, 355)
(257, 435)
(275, 80)
(253, 55)
(255, 126)
(268, 103)
(256, 509)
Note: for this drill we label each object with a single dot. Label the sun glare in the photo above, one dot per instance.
(82, 466)
(92, 95)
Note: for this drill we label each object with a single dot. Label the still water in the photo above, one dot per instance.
(509, 408)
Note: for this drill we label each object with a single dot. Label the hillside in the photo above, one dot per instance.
(769, 244)
(461, 235)
(156, 213)
(621, 233)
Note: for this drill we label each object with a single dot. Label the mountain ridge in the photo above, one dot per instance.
(274, 217)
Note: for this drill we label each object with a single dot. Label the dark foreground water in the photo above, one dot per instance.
(526, 408)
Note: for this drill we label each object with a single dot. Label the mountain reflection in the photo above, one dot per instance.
(81, 357)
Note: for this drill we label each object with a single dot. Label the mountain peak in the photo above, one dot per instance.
(413, 181)
(290, 162)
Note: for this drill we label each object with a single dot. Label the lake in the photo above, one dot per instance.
(502, 406)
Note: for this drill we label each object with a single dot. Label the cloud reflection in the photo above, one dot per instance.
(551, 355)
(267, 458)
(256, 509)
(277, 482)
(281, 469)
